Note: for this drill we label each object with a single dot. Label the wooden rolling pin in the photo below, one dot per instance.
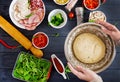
(18, 36)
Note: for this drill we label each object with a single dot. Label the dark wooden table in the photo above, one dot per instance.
(56, 45)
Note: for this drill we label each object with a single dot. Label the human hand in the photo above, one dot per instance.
(85, 74)
(110, 30)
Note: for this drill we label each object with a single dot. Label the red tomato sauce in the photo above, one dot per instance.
(58, 65)
(40, 40)
(92, 3)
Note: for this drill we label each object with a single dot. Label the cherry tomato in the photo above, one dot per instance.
(71, 15)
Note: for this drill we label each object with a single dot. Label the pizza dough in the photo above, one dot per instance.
(88, 48)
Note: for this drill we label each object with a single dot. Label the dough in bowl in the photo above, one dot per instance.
(88, 48)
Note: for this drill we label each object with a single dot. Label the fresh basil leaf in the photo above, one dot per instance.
(28, 16)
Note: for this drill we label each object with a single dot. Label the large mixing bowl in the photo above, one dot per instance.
(93, 28)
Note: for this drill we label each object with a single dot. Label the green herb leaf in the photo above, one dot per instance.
(67, 70)
(56, 34)
(57, 19)
(91, 20)
(30, 68)
(28, 16)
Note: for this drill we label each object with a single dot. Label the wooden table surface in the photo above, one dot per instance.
(56, 44)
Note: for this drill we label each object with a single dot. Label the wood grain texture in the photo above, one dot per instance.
(56, 45)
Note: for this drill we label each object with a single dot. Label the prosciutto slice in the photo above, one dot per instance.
(34, 18)
(35, 4)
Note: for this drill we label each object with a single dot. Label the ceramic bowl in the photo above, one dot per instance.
(40, 40)
(97, 15)
(93, 28)
(90, 5)
(53, 13)
(61, 2)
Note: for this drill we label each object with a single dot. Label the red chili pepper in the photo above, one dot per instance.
(49, 72)
(6, 45)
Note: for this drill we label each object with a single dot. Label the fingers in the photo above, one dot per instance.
(72, 69)
(106, 31)
(84, 70)
(83, 73)
(107, 25)
(80, 69)
(75, 72)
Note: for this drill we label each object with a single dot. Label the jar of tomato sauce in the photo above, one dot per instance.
(40, 40)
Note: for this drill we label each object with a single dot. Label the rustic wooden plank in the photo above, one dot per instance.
(7, 60)
(108, 76)
(56, 45)
(6, 76)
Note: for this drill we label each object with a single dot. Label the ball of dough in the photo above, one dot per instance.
(88, 48)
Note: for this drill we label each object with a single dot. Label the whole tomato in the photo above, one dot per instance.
(71, 15)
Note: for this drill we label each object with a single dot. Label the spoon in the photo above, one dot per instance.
(58, 65)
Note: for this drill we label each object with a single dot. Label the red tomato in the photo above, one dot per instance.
(71, 15)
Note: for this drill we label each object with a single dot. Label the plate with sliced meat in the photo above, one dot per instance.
(27, 14)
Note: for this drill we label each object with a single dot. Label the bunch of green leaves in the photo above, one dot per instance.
(67, 71)
(57, 19)
(30, 68)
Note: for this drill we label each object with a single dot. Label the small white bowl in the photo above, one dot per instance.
(54, 12)
(99, 3)
(66, 1)
(35, 36)
(97, 15)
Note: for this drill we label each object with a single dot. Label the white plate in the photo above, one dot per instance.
(11, 11)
